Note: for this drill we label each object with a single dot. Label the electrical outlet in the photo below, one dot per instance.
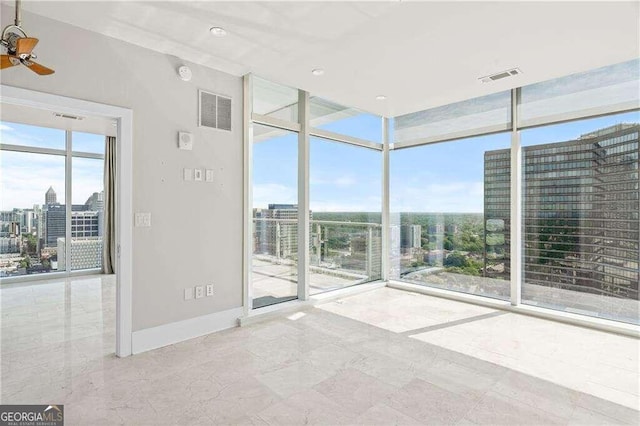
(199, 292)
(209, 290)
(188, 293)
(209, 175)
(197, 175)
(143, 220)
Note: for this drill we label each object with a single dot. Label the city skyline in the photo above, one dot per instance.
(22, 188)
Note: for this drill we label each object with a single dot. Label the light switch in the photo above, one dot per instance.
(188, 174)
(209, 175)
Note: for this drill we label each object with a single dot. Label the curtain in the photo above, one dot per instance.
(109, 233)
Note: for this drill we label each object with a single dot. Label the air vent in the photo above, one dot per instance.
(500, 75)
(70, 117)
(215, 111)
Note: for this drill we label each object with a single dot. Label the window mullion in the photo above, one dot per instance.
(516, 204)
(68, 202)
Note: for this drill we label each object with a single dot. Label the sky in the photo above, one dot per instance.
(25, 177)
(443, 177)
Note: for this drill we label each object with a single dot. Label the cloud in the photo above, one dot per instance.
(458, 197)
(42, 137)
(270, 193)
(24, 179)
(343, 181)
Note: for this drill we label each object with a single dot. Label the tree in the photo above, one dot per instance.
(448, 243)
(456, 260)
(25, 262)
(32, 243)
(458, 263)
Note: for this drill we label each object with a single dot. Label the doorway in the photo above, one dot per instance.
(78, 244)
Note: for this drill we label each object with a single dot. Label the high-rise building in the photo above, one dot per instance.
(50, 196)
(96, 201)
(84, 223)
(55, 223)
(410, 236)
(86, 253)
(277, 230)
(580, 211)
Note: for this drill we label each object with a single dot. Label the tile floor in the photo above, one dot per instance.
(378, 358)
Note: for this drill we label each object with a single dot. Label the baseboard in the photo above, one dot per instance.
(282, 309)
(175, 332)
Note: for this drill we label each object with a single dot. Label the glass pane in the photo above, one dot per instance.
(25, 135)
(476, 116)
(345, 183)
(581, 224)
(603, 90)
(330, 116)
(275, 100)
(87, 214)
(32, 212)
(275, 216)
(450, 215)
(87, 142)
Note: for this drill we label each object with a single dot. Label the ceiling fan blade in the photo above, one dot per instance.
(25, 45)
(37, 68)
(7, 62)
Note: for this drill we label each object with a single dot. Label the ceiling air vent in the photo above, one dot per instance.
(500, 75)
(70, 117)
(215, 111)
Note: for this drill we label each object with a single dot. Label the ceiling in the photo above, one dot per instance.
(417, 54)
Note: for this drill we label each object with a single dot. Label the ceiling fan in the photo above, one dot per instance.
(20, 47)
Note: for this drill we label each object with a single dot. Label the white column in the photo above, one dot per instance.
(303, 195)
(386, 245)
(248, 226)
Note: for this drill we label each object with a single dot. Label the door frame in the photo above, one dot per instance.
(124, 190)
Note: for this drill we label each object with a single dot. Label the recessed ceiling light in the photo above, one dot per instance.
(218, 31)
(317, 71)
(381, 97)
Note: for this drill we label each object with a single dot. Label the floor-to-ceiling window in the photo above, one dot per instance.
(52, 193)
(528, 195)
(346, 233)
(580, 186)
(274, 188)
(450, 206)
(339, 152)
(451, 215)
(580, 217)
(275, 216)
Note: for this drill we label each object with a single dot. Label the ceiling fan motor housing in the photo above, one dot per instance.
(11, 40)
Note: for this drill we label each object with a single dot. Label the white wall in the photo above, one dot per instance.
(196, 233)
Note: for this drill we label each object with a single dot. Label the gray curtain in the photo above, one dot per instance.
(109, 233)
